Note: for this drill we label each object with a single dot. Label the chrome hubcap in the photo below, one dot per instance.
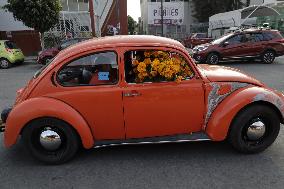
(256, 130)
(4, 63)
(49, 139)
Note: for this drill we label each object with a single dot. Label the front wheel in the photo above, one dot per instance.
(50, 140)
(213, 59)
(254, 129)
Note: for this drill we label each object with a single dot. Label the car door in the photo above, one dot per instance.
(157, 107)
(256, 44)
(90, 84)
(234, 47)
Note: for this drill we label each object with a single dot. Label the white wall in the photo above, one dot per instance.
(7, 21)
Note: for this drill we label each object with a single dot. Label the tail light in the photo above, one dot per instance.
(9, 50)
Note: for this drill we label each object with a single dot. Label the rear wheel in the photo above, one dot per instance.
(213, 59)
(268, 57)
(4, 63)
(254, 129)
(50, 140)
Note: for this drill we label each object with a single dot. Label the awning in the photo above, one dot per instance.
(256, 11)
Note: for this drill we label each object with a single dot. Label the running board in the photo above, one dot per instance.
(154, 140)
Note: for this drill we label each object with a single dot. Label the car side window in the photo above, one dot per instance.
(237, 39)
(255, 37)
(156, 66)
(95, 69)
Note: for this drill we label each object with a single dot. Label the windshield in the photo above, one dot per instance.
(10, 45)
(221, 39)
(43, 68)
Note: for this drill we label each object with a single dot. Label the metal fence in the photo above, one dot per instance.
(71, 25)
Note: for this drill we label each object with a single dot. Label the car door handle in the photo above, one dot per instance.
(131, 94)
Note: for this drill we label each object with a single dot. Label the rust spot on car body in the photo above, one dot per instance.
(219, 91)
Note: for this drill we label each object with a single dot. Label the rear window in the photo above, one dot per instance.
(267, 36)
(10, 45)
(201, 35)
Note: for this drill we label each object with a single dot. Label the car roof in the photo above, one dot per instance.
(121, 41)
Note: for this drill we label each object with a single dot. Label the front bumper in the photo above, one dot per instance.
(4, 116)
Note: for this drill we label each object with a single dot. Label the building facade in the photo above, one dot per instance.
(178, 18)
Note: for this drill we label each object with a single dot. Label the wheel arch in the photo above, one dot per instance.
(21, 115)
(221, 119)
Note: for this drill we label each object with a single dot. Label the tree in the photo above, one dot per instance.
(40, 15)
(131, 25)
(206, 8)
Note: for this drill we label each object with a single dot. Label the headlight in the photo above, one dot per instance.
(202, 48)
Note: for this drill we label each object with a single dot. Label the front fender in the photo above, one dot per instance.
(35, 108)
(220, 120)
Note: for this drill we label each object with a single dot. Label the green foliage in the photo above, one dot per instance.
(131, 25)
(207, 8)
(41, 15)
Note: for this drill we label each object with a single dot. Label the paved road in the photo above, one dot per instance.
(188, 165)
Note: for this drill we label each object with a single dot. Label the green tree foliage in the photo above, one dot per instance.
(206, 8)
(131, 25)
(41, 15)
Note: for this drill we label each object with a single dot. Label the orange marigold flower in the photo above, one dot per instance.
(141, 67)
(147, 61)
(135, 62)
(179, 79)
(147, 54)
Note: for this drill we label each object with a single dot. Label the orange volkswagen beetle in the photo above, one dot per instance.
(138, 89)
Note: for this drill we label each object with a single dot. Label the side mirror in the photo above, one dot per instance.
(226, 43)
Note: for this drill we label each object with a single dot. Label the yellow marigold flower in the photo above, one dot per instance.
(135, 62)
(179, 79)
(155, 53)
(147, 54)
(147, 61)
(141, 67)
(176, 68)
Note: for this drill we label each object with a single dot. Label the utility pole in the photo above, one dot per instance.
(162, 18)
(92, 17)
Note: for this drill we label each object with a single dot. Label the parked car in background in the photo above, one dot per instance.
(138, 89)
(197, 39)
(46, 55)
(247, 44)
(10, 54)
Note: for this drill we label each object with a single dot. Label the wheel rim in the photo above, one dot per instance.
(214, 59)
(268, 57)
(4, 63)
(255, 132)
(50, 139)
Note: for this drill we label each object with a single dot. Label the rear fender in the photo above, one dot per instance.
(220, 120)
(35, 108)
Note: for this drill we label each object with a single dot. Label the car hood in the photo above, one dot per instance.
(226, 74)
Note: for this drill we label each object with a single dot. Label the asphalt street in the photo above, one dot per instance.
(186, 165)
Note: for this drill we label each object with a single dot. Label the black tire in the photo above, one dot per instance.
(4, 63)
(268, 57)
(213, 59)
(238, 135)
(69, 140)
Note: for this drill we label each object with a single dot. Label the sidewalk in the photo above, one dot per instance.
(30, 58)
